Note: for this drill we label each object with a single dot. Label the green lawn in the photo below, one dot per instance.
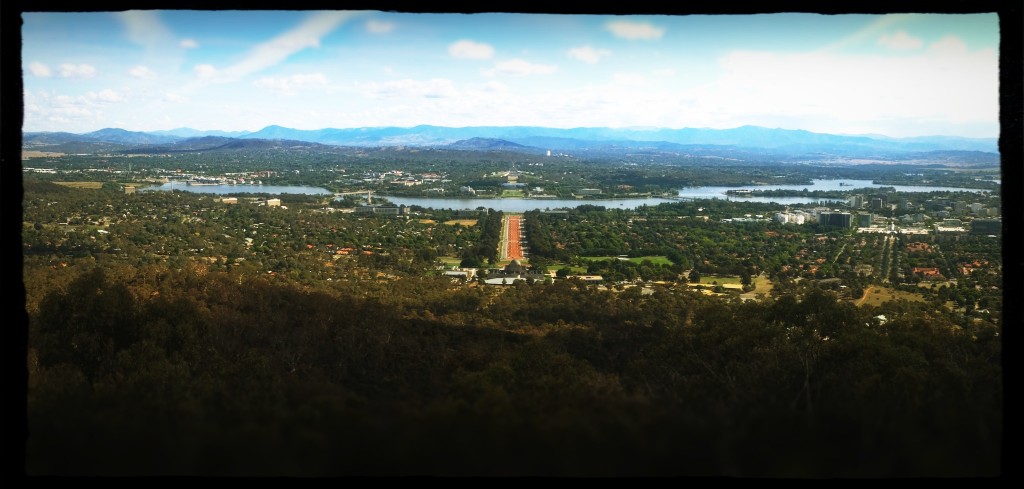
(721, 280)
(655, 259)
(511, 193)
(762, 285)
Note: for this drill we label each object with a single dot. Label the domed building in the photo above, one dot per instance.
(515, 270)
(514, 267)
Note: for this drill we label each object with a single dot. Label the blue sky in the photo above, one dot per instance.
(898, 75)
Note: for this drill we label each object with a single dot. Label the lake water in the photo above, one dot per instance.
(826, 185)
(520, 205)
(523, 205)
(242, 189)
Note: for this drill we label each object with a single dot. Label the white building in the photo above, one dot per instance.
(795, 217)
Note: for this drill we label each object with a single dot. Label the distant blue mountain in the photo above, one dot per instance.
(188, 132)
(745, 140)
(788, 140)
(203, 143)
(491, 144)
(121, 136)
(218, 143)
(33, 139)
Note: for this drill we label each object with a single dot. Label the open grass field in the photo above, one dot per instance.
(450, 260)
(935, 285)
(720, 280)
(25, 154)
(461, 222)
(511, 193)
(762, 285)
(558, 265)
(875, 295)
(427, 221)
(655, 259)
(92, 185)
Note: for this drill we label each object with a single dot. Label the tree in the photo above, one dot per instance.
(87, 324)
(694, 276)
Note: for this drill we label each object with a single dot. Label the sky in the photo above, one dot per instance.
(898, 75)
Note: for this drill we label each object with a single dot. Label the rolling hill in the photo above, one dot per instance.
(746, 142)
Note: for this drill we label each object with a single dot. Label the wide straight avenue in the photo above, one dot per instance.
(512, 246)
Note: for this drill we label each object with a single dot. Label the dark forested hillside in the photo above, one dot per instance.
(149, 370)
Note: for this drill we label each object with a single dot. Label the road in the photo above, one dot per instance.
(513, 248)
(890, 240)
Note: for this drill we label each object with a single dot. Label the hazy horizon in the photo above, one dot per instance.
(627, 128)
(902, 75)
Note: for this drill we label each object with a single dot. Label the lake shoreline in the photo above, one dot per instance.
(524, 203)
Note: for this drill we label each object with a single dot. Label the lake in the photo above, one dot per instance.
(688, 193)
(520, 205)
(523, 205)
(818, 184)
(240, 189)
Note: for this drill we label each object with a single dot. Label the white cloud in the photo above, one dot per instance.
(205, 71)
(436, 88)
(519, 67)
(664, 72)
(69, 70)
(288, 85)
(588, 54)
(106, 96)
(142, 72)
(866, 33)
(629, 79)
(145, 27)
(467, 49)
(634, 30)
(188, 44)
(39, 69)
(900, 41)
(278, 49)
(75, 113)
(495, 88)
(948, 46)
(174, 98)
(945, 83)
(379, 27)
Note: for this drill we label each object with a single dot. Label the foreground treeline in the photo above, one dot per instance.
(152, 371)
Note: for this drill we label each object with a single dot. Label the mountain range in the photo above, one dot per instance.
(745, 141)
